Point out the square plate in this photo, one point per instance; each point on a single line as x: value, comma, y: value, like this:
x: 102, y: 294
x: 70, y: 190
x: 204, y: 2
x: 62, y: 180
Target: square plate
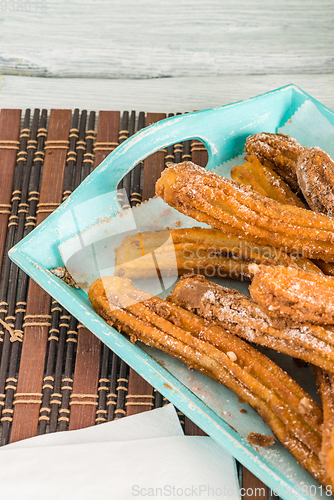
x: 213, y: 408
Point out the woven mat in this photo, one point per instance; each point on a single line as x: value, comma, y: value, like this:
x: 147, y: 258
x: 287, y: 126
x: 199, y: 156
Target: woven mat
x: 54, y: 373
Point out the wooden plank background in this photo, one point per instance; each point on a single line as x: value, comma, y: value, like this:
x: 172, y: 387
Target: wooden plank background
x: 166, y: 38
x: 154, y: 94
x: 162, y: 56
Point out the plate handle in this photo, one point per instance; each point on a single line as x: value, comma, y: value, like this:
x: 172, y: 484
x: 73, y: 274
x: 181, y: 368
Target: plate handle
x: 201, y: 125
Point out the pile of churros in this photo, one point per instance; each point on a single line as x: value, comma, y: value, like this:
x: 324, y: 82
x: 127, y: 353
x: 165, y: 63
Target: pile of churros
x: 260, y: 231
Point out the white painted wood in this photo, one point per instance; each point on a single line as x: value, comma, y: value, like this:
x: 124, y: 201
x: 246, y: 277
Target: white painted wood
x: 116, y: 54
x: 158, y: 38
x: 156, y: 95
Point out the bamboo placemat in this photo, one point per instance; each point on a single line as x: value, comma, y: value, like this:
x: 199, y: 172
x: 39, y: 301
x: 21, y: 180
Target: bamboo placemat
x: 55, y: 374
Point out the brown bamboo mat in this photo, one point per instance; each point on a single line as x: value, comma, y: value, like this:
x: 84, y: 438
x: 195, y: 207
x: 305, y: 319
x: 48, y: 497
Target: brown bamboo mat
x: 54, y: 373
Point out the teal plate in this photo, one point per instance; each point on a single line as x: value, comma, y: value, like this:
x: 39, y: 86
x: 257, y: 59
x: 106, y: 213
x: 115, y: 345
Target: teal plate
x: 212, y: 407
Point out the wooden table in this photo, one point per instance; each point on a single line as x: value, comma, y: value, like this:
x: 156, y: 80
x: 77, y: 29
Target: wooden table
x: 153, y: 57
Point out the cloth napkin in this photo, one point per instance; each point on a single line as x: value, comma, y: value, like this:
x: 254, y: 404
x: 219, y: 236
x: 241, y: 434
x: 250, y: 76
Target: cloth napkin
x: 144, y: 455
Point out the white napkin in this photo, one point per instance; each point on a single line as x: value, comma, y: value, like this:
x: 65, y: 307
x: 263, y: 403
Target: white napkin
x: 310, y: 128
x: 144, y: 455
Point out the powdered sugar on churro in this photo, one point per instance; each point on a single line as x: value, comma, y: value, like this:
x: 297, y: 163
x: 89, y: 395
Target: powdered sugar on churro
x: 241, y: 316
x: 239, y: 210
x: 298, y: 295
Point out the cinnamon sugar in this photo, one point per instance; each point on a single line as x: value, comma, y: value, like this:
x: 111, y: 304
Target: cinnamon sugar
x: 262, y: 440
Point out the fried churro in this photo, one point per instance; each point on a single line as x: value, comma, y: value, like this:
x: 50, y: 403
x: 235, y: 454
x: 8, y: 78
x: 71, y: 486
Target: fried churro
x: 293, y: 416
x: 242, y: 316
x: 226, y: 205
x: 192, y: 251
x: 325, y: 384
x: 315, y: 174
x: 268, y: 183
x: 294, y: 293
x: 279, y: 152
x: 265, y: 180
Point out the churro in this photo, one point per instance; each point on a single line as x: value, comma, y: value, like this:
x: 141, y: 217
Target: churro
x: 242, y: 316
x: 279, y: 152
x: 233, y: 208
x: 192, y: 251
x: 265, y: 180
x: 325, y: 384
x: 294, y: 293
x: 315, y: 174
x: 293, y: 416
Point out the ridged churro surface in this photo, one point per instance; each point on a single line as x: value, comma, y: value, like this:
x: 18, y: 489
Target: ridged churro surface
x: 293, y: 416
x: 296, y: 294
x: 193, y: 250
x: 243, y: 317
x: 268, y: 183
x: 264, y: 180
x: 233, y: 208
x: 279, y: 152
x: 325, y: 384
x: 315, y: 174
